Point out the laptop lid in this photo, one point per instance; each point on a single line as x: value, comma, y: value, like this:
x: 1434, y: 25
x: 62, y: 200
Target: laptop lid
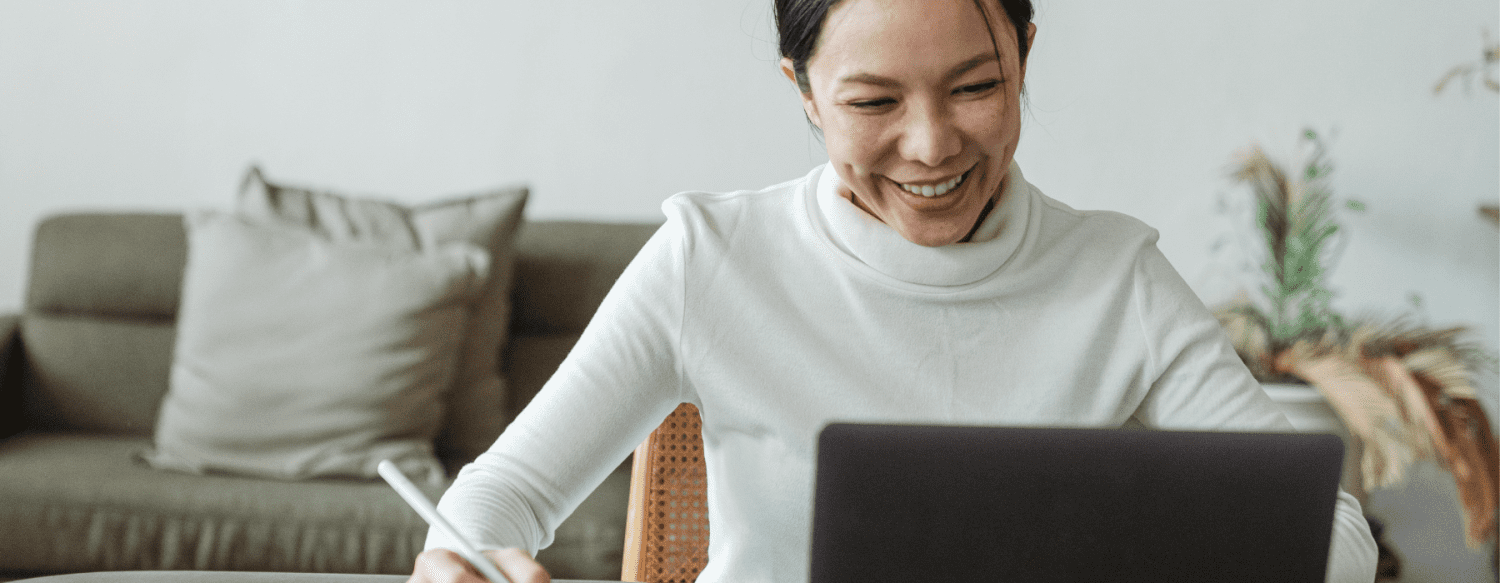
x: 966, y: 504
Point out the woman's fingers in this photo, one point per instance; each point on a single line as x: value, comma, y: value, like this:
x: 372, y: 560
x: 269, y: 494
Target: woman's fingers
x: 518, y: 566
x: 445, y: 566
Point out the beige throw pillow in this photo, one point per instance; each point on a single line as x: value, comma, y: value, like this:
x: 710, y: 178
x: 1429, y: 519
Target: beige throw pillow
x: 476, y: 405
x: 298, y: 357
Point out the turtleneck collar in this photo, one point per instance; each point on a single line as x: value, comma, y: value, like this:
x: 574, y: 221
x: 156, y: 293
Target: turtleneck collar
x: 872, y: 245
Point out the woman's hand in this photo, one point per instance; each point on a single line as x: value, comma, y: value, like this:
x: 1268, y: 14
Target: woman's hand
x: 445, y: 566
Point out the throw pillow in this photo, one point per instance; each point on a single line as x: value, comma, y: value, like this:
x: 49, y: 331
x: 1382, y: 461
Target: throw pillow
x: 476, y: 405
x: 297, y: 357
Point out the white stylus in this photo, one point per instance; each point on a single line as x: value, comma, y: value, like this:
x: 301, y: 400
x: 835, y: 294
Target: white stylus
x: 419, y: 502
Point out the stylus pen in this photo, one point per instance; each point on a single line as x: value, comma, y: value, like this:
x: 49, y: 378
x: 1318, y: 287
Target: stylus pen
x: 424, y: 507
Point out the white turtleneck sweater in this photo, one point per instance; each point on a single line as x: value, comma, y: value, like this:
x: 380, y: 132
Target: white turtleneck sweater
x: 777, y: 311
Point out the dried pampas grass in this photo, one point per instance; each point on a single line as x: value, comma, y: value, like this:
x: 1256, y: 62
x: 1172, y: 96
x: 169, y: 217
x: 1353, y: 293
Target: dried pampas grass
x: 1404, y: 391
x: 1406, y: 394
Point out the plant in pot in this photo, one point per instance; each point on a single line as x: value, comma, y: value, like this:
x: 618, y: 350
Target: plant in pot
x: 1403, y: 390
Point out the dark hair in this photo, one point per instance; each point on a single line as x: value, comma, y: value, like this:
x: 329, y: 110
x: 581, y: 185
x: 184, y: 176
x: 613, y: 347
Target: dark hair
x: 799, y: 22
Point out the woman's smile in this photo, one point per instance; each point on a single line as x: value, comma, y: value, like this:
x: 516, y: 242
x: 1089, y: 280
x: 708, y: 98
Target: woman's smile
x: 929, y: 196
x: 929, y: 190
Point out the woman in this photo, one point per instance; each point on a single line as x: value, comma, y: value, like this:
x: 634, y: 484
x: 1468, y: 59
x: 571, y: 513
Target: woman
x: 917, y: 278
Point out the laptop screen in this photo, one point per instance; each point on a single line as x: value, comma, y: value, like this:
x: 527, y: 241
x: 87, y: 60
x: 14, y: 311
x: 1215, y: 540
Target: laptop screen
x: 965, y: 504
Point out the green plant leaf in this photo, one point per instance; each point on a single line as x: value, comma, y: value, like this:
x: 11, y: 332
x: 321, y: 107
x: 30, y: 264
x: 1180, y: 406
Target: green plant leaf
x: 1297, y: 223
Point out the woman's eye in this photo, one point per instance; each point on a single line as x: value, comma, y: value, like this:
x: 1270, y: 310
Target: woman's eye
x: 978, y: 87
x: 872, y: 103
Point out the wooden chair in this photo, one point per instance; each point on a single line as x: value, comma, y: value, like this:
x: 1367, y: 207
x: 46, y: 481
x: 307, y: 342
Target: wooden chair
x: 666, y: 527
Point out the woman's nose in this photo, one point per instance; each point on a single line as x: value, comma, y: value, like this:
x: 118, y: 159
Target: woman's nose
x: 930, y: 136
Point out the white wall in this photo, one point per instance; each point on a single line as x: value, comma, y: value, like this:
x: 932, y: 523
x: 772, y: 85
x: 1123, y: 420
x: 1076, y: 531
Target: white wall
x: 608, y: 107
x: 1140, y: 106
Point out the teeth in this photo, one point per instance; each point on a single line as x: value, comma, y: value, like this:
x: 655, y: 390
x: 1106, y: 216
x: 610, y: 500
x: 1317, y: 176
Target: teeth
x: 938, y: 190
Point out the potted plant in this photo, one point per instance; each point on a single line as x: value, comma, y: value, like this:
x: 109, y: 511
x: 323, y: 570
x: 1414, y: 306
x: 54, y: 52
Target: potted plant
x: 1403, y: 390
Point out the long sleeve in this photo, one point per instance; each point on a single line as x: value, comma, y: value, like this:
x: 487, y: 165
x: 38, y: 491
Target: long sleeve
x: 619, y: 381
x: 1202, y: 384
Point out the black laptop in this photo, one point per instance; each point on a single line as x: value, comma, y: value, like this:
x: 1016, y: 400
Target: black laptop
x: 966, y: 504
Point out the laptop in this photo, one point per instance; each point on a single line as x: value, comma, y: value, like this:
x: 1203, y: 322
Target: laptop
x: 966, y: 504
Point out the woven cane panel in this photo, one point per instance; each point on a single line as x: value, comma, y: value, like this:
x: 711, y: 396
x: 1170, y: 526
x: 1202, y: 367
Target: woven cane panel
x: 675, y: 532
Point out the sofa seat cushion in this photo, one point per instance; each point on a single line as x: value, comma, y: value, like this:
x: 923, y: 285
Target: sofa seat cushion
x: 82, y: 502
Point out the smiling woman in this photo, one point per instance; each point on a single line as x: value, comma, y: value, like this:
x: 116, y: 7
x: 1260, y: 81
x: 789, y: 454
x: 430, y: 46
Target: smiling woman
x: 908, y: 121
x: 915, y: 278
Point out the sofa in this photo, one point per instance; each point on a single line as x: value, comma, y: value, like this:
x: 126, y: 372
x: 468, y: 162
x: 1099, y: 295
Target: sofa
x: 84, y: 368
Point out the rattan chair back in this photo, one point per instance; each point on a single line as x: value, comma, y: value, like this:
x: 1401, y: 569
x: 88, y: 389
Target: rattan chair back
x: 666, y: 532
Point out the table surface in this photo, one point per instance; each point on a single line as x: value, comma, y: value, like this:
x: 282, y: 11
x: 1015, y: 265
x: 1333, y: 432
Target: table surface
x: 226, y: 577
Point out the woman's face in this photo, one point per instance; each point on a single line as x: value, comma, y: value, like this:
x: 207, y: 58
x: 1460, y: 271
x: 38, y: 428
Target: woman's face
x: 919, y: 118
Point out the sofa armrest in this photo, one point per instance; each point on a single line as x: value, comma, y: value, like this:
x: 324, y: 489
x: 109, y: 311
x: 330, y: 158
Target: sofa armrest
x: 11, y: 355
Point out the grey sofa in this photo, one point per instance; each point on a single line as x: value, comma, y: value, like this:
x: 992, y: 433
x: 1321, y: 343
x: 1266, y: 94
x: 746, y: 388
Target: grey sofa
x: 84, y: 367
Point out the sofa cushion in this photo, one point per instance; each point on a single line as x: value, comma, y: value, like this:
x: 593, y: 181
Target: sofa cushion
x: 532, y: 358
x: 124, y: 265
x: 299, y: 357
x: 98, y: 321
x: 564, y: 269
x: 80, y: 502
x: 95, y: 373
x: 475, y: 410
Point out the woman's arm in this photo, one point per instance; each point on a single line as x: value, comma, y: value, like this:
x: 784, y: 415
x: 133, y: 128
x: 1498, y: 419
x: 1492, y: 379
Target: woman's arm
x: 616, y: 385
x: 1200, y: 383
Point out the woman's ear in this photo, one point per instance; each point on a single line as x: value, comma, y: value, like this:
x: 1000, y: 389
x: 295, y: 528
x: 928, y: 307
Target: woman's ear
x: 789, y: 70
x: 1030, y: 46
